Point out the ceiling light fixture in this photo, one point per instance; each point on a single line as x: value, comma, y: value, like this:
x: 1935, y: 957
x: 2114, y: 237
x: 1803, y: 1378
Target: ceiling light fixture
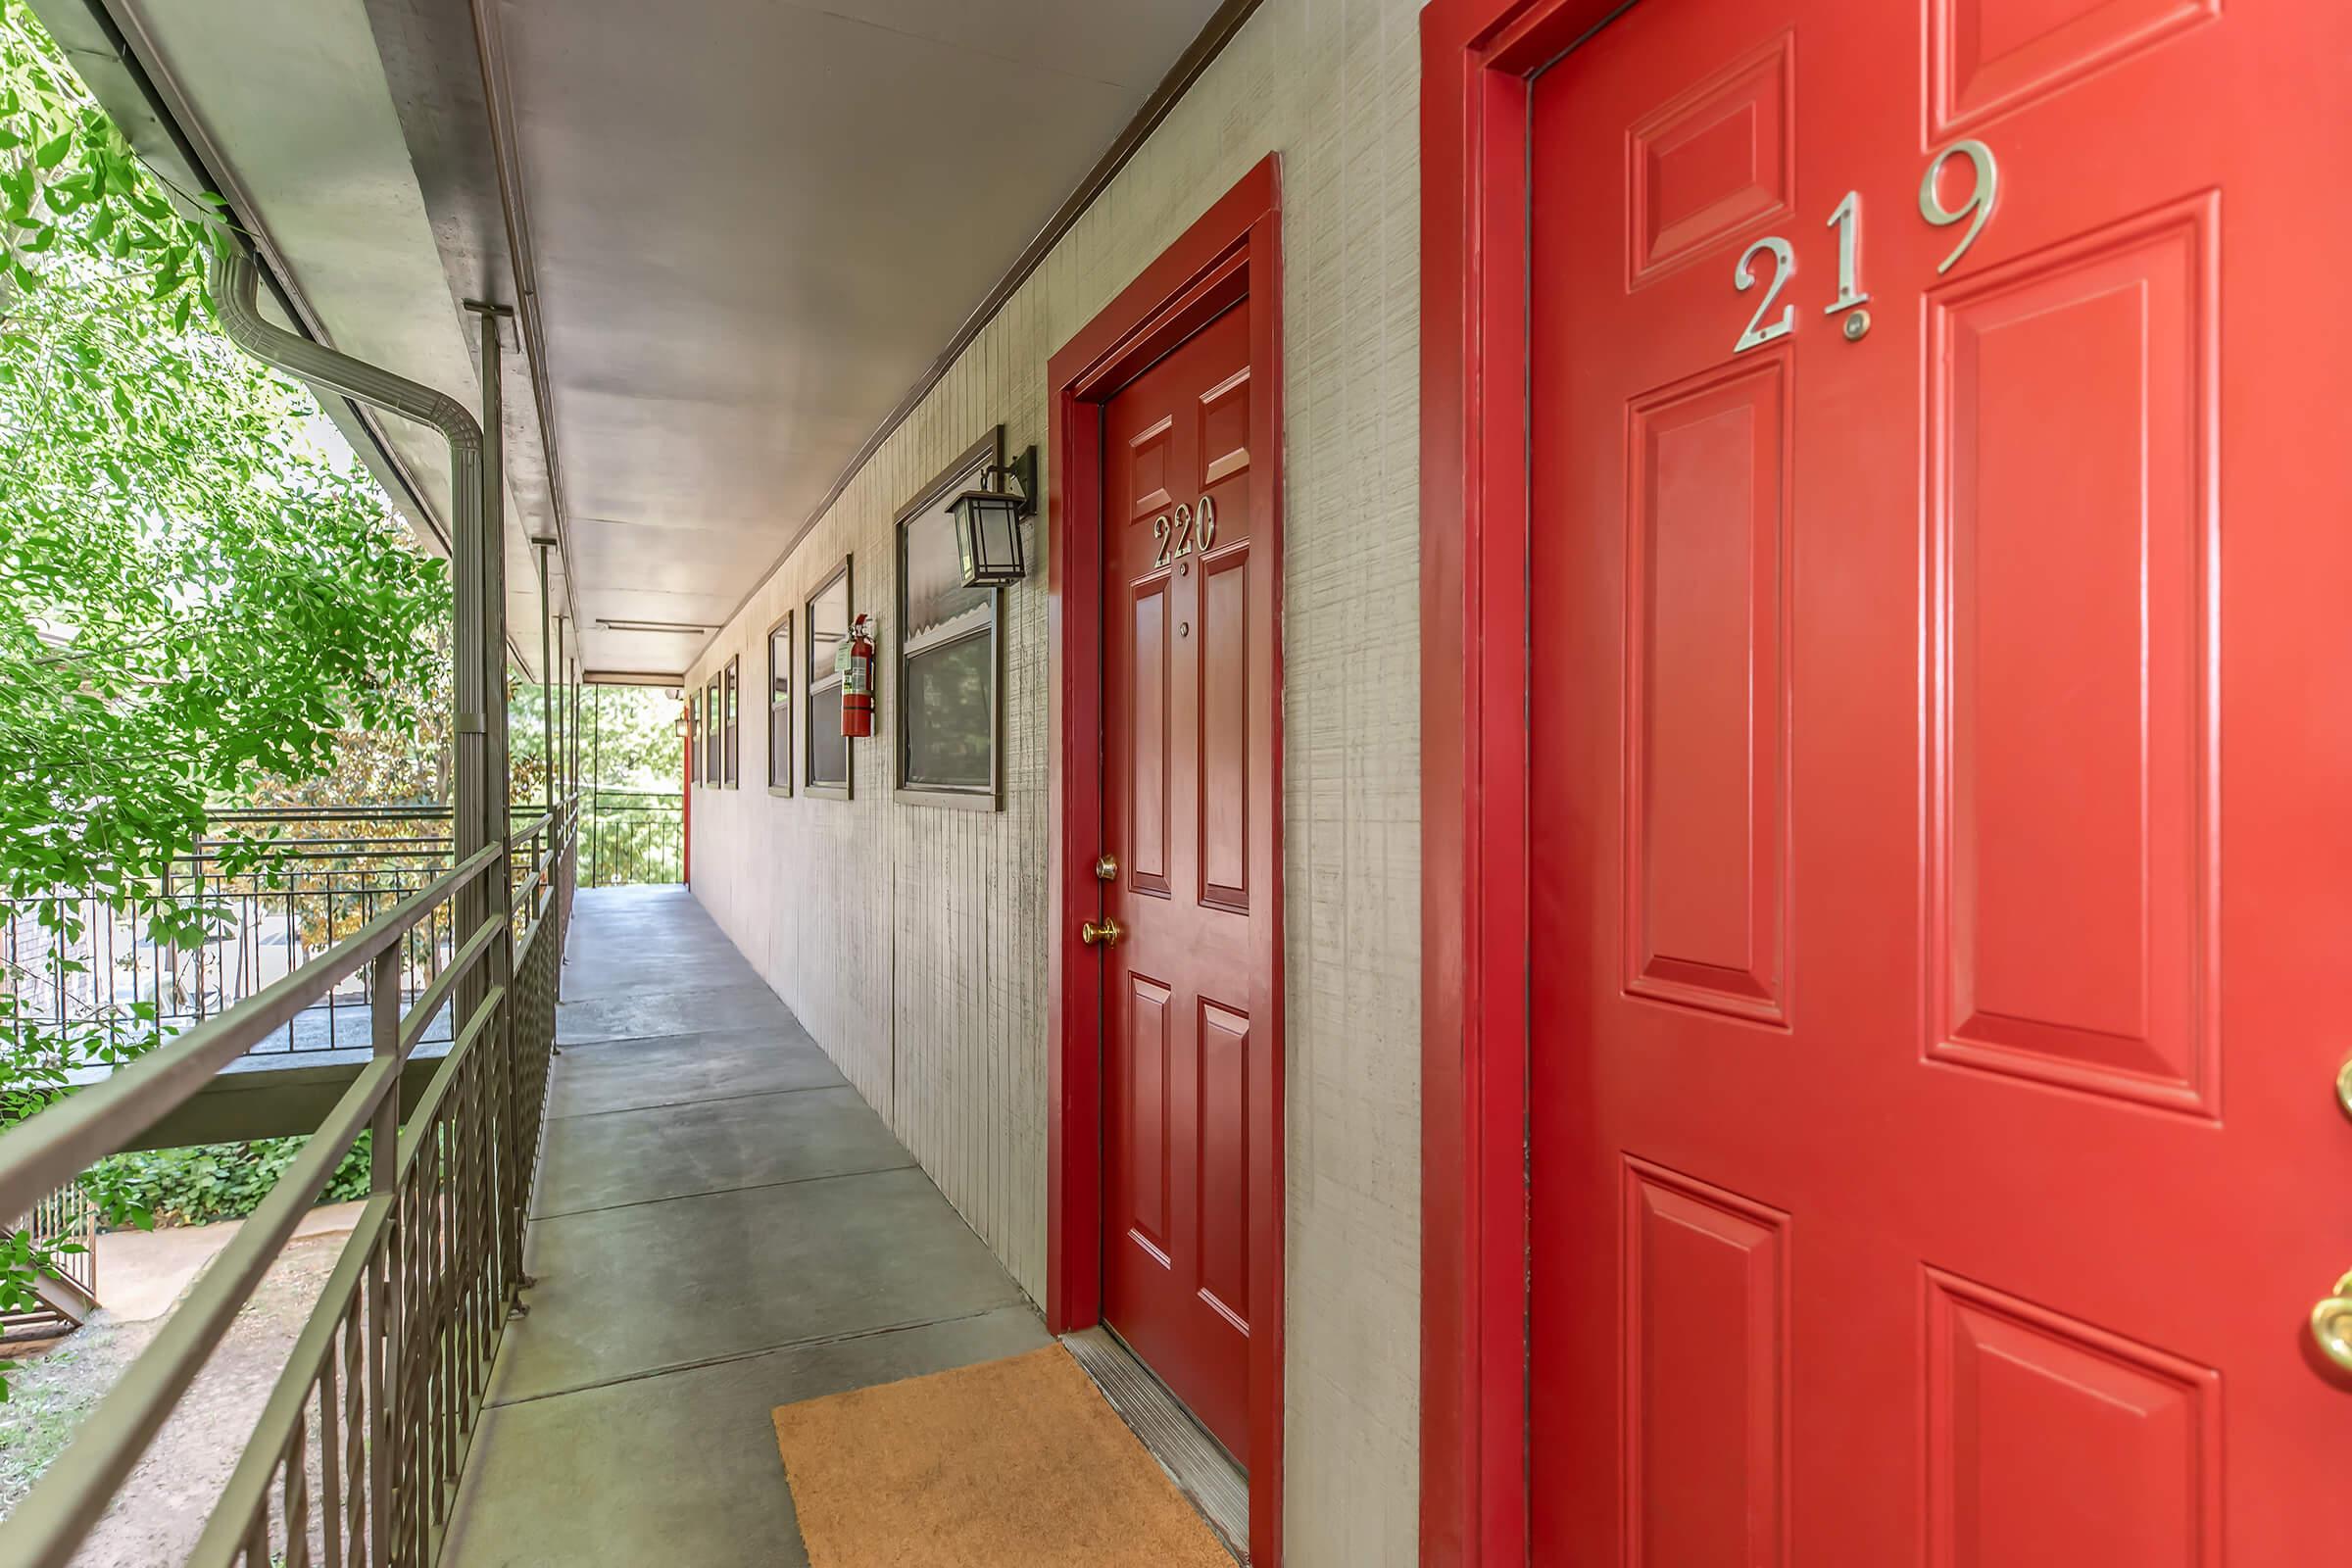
x: 653, y: 625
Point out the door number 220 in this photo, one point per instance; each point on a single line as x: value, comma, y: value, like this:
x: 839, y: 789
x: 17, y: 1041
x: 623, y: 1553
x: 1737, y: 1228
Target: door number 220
x: 1189, y: 530
x: 1846, y: 220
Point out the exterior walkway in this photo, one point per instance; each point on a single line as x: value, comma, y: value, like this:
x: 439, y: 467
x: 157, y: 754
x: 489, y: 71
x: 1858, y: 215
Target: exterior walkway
x: 722, y: 1226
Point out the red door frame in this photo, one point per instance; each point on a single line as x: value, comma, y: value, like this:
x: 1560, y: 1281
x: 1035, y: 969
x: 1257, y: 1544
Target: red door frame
x: 1231, y: 256
x: 1478, y: 58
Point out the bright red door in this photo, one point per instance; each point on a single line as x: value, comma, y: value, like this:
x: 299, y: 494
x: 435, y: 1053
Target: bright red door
x: 1939, y: 755
x: 1178, y: 788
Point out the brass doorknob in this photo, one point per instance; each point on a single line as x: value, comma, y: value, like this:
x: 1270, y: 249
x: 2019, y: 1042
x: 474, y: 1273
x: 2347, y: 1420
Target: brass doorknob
x: 1106, y: 933
x: 2332, y: 1324
x: 2343, y: 1086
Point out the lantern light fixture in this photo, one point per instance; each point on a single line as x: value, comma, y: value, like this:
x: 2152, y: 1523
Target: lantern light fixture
x: 988, y: 521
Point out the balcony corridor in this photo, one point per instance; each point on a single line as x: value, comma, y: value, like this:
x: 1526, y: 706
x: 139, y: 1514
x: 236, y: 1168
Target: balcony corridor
x: 722, y: 1226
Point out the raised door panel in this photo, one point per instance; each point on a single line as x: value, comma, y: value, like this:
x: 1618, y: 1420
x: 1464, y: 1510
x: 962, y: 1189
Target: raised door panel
x: 1705, y: 1363
x: 1147, y: 1101
x: 1150, y: 459
x: 1224, y: 411
x: 1988, y: 56
x: 1705, y: 788
x: 1224, y: 738
x: 2077, y: 754
x: 1711, y: 161
x: 2052, y: 1443
x: 1224, y: 1172
x: 1146, y: 729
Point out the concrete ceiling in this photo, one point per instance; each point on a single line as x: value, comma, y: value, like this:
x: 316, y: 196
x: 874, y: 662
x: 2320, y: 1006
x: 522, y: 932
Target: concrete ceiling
x: 736, y: 231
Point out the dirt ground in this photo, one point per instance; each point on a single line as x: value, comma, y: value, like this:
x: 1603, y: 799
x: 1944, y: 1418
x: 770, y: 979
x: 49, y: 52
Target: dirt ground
x: 163, y: 1507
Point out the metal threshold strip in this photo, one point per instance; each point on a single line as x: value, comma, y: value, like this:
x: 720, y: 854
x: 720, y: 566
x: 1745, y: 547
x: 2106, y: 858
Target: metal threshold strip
x: 1199, y: 1466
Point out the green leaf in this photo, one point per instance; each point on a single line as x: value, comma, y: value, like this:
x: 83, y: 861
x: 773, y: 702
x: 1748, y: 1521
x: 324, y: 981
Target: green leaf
x: 201, y: 606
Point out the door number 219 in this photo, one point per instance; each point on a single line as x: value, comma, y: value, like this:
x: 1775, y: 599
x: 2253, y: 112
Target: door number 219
x: 1846, y: 220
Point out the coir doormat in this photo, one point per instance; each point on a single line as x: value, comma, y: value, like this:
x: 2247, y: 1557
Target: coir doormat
x: 1018, y: 1461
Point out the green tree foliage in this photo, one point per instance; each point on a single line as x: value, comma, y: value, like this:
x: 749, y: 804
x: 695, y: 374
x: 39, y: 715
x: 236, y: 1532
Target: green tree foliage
x: 632, y: 762
x: 526, y: 743
x: 211, y: 1182
x: 410, y: 762
x: 369, y: 859
x: 628, y: 738
x: 199, y: 589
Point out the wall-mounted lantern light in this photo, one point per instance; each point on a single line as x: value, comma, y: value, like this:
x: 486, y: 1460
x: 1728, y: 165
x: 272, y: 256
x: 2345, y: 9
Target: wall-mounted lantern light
x: 988, y: 521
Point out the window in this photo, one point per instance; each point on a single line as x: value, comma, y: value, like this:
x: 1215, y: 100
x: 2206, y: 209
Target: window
x: 710, y: 734
x: 946, y: 685
x: 827, y: 617
x: 779, y: 706
x: 734, y: 756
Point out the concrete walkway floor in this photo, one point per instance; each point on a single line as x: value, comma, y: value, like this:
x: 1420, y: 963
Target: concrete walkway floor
x: 722, y: 1226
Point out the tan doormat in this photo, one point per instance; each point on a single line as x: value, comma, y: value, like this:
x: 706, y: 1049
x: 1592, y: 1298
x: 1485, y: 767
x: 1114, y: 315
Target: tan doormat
x: 1018, y: 1461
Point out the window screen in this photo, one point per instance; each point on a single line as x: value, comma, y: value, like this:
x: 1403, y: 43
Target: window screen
x: 947, y: 646
x: 712, y: 738
x: 733, y: 761
x: 779, y: 706
x: 827, y: 615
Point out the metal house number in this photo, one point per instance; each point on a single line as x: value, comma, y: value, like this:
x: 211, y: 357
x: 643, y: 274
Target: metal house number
x: 1187, y: 530
x: 1744, y: 278
x: 1846, y: 220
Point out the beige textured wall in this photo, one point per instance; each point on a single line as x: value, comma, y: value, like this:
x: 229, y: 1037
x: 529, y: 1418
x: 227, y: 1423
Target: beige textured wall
x: 910, y: 941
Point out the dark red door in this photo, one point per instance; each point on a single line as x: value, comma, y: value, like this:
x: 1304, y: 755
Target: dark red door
x: 1934, y: 1157
x: 1178, y: 788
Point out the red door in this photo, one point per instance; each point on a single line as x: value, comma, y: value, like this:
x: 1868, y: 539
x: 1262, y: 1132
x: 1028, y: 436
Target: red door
x: 1935, y: 1155
x: 1178, y: 788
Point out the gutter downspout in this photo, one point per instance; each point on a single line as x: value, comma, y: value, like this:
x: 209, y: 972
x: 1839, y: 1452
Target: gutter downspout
x: 479, y: 659
x: 547, y: 680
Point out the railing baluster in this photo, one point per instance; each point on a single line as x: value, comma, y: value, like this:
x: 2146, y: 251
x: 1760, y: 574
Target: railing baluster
x: 383, y: 1275
x: 330, y: 1457
x: 298, y: 1496
x: 415, y: 1387
x: 359, y: 1331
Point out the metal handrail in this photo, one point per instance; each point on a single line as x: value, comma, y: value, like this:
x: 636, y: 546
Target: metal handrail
x: 79, y: 1487
x: 396, y: 1355
x: 531, y: 829
x: 425, y: 810
x: 66, y: 1139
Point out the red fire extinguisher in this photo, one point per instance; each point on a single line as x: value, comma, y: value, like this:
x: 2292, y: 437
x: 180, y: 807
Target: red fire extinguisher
x: 856, y: 662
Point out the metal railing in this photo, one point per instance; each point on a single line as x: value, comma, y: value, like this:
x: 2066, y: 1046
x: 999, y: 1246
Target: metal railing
x: 355, y: 1457
x: 62, y: 1225
x: 633, y: 836
x: 330, y: 871
x: 84, y: 962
